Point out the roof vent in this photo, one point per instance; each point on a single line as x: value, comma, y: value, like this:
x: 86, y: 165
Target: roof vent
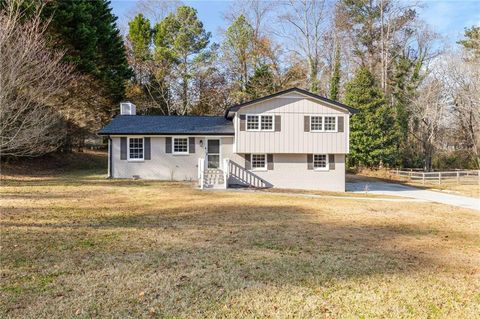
x: 128, y: 108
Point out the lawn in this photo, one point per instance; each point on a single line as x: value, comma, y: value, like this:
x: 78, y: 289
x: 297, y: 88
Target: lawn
x: 78, y: 245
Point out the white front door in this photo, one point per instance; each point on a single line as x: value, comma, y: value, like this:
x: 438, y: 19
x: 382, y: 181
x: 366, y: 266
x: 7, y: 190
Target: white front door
x: 213, y: 153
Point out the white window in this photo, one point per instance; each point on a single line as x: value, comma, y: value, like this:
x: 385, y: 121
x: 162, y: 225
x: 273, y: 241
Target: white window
x: 180, y: 145
x: 267, y: 123
x: 316, y: 124
x: 330, y: 123
x: 259, y: 122
x: 320, y: 162
x: 259, y: 161
x: 252, y: 123
x: 135, y: 149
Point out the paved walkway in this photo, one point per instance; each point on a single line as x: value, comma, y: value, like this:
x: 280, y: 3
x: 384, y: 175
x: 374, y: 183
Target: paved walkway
x: 385, y: 188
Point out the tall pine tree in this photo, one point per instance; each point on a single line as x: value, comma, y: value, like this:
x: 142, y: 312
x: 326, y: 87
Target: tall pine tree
x: 335, y: 79
x: 87, y: 30
x: 373, y: 133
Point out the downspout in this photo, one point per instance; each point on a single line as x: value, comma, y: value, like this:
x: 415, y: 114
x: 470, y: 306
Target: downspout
x: 110, y: 162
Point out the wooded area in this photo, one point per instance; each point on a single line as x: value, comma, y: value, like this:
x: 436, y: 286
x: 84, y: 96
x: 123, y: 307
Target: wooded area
x: 65, y: 66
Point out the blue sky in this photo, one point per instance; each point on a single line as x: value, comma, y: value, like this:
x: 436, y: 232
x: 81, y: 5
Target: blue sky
x: 448, y: 18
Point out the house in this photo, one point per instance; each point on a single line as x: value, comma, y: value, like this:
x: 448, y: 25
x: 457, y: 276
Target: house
x: 290, y: 139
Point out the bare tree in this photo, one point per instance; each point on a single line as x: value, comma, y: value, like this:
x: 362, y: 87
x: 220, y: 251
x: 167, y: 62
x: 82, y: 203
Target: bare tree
x: 428, y: 113
x: 462, y: 79
x: 31, y: 76
x: 304, y: 26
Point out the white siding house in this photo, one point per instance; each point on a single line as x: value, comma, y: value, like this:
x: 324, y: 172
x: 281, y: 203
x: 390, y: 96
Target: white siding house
x: 291, y: 139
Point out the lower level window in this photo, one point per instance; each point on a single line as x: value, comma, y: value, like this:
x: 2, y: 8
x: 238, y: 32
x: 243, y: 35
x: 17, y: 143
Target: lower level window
x: 135, y: 148
x: 180, y: 145
x: 320, y: 161
x: 259, y: 161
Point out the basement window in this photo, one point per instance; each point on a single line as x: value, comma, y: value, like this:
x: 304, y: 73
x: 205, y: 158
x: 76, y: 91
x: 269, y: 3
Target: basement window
x: 259, y: 162
x: 320, y: 162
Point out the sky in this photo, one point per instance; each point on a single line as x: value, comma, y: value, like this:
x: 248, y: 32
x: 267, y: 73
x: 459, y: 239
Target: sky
x: 446, y: 17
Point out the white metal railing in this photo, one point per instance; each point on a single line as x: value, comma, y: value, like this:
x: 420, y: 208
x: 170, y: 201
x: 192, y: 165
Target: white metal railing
x: 226, y: 172
x: 201, y: 172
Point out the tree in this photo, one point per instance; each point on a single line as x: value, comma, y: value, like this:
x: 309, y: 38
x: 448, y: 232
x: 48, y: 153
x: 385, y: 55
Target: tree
x: 140, y: 36
x: 472, y: 41
x: 182, y: 38
x: 238, y: 50
x: 373, y: 137
x: 261, y: 83
x: 87, y: 30
x: 428, y: 110
x: 305, y: 29
x: 32, y: 76
x: 335, y: 79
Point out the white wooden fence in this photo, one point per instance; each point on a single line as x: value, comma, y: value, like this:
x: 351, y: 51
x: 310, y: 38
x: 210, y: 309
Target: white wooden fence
x: 460, y: 177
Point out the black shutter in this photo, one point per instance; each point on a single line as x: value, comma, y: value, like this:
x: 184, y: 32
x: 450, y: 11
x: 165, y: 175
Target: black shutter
x: 331, y: 161
x: 123, y: 148
x: 147, y: 155
x: 310, y: 161
x: 278, y: 123
x: 168, y: 145
x: 248, y: 164
x: 270, y: 162
x: 306, y: 123
x: 242, y: 122
x: 341, y: 124
x: 191, y: 144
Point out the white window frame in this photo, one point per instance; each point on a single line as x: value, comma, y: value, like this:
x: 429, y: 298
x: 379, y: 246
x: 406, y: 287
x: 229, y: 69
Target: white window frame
x: 173, y: 146
x: 323, y: 130
x: 327, y: 163
x: 321, y: 120
x: 143, y: 150
x: 259, y: 119
x: 336, y: 123
x: 261, y: 169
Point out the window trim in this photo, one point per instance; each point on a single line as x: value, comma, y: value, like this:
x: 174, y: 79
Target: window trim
x: 310, y: 120
x: 323, y: 130
x: 321, y: 169
x: 173, y: 145
x: 259, y: 117
x: 143, y: 150
x: 336, y: 124
x: 259, y: 169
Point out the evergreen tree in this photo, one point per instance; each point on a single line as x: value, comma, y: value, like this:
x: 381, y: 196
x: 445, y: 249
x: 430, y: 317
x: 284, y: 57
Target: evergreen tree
x: 180, y: 37
x: 374, y: 136
x: 261, y: 83
x: 335, y: 79
x: 472, y: 41
x: 238, y: 47
x: 87, y: 30
x: 140, y: 36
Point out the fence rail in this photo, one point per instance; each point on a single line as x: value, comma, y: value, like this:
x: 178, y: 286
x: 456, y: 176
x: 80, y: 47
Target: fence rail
x: 465, y: 176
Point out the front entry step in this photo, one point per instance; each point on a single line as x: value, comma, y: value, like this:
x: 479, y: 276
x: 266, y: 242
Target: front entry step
x: 213, y: 178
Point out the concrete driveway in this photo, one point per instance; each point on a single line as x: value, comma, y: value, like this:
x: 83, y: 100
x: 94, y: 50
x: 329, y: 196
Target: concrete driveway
x: 385, y: 188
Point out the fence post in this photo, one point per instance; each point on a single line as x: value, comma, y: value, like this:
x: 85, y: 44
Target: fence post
x: 410, y: 175
x: 439, y: 177
x: 458, y: 177
x: 423, y: 178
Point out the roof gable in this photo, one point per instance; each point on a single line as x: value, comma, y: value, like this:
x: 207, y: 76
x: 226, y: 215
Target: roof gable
x: 294, y: 93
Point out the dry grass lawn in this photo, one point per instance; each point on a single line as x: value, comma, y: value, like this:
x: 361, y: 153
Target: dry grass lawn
x: 81, y: 246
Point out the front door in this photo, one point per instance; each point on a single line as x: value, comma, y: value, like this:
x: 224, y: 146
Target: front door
x: 213, y: 153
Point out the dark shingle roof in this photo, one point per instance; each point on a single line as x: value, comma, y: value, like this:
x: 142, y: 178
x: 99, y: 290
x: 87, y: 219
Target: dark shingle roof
x: 166, y: 125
